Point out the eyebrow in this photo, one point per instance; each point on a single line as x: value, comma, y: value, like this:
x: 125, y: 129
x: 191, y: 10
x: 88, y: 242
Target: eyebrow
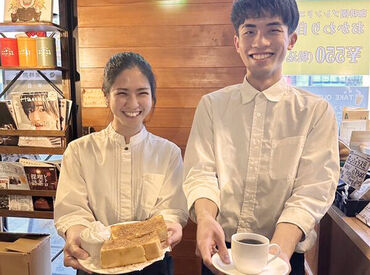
x: 139, y: 89
x: 269, y: 24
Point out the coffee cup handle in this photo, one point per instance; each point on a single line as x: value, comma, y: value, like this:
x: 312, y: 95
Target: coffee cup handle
x: 277, y: 254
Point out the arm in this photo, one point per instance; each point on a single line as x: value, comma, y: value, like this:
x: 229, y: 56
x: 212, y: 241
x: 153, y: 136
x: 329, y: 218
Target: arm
x: 71, y: 203
x: 315, y: 183
x: 209, y: 233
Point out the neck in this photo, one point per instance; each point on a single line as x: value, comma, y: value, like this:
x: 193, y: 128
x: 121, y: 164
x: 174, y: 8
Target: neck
x: 262, y: 83
x: 126, y: 131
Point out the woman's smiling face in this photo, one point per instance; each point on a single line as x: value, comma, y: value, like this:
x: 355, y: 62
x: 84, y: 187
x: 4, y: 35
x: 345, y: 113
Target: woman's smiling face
x: 130, y: 100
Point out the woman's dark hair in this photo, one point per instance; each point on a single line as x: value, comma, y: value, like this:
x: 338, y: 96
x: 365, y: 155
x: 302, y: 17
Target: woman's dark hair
x: 287, y: 10
x: 28, y: 101
x: 123, y: 61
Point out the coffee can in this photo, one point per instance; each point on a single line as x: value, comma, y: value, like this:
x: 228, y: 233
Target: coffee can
x: 46, y: 55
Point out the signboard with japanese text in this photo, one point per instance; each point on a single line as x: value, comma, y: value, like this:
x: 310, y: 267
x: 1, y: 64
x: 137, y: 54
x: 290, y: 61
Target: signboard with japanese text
x: 333, y: 38
x: 355, y: 169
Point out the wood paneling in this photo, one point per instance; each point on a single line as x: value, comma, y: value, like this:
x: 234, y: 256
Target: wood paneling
x: 157, y: 36
x: 89, y: 3
x: 162, y: 117
x: 148, y: 13
x: 174, y: 57
x: 177, y: 78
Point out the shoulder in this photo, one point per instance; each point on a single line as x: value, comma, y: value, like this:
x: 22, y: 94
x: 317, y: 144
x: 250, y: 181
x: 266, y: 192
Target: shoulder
x: 93, y: 139
x: 223, y: 93
x: 310, y: 101
x: 162, y: 143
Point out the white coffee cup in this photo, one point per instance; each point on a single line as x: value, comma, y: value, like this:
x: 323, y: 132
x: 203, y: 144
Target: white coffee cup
x: 250, y: 252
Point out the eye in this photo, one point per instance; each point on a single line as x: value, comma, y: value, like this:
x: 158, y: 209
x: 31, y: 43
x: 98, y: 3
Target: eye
x: 275, y: 30
x: 248, y: 32
x: 143, y: 93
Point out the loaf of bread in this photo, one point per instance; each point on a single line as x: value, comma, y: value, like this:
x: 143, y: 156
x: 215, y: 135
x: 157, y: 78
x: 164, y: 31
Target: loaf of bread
x: 134, y: 243
x: 138, y: 229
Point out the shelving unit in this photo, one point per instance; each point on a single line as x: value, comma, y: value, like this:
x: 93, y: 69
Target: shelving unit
x: 65, y: 29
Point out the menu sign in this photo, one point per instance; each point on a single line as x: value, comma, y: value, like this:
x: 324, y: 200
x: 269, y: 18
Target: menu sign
x: 333, y: 38
x: 355, y: 168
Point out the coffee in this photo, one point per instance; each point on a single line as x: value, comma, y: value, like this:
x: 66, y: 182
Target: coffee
x: 250, y: 241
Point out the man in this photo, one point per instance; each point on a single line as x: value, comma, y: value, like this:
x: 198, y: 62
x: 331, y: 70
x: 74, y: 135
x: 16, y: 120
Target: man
x: 262, y: 156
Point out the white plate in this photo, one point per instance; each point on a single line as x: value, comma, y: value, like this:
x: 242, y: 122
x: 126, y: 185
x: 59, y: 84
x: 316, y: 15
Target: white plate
x: 276, y: 267
x: 95, y: 266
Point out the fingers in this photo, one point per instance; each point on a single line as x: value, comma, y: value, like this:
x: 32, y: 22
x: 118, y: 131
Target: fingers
x: 71, y: 261
x: 77, y: 252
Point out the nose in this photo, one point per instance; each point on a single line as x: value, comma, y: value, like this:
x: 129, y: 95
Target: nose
x: 132, y: 101
x: 260, y: 40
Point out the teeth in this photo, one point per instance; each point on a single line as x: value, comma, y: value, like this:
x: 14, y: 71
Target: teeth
x: 261, y: 56
x: 132, y: 114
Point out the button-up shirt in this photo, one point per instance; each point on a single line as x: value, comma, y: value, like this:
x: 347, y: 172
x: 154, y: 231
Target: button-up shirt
x: 103, y: 178
x: 263, y: 158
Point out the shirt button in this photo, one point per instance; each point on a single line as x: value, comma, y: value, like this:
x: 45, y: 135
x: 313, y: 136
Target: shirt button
x: 258, y: 114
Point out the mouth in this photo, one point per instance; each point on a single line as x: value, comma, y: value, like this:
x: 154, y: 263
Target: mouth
x: 260, y: 56
x: 132, y: 114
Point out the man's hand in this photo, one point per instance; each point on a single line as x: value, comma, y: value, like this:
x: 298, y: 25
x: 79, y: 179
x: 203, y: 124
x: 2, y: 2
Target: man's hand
x: 73, y: 250
x: 210, y: 235
x: 287, y: 236
x: 174, y: 231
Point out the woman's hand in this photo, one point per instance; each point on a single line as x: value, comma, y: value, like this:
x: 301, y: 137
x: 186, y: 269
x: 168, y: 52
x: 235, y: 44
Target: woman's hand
x: 174, y: 231
x: 73, y: 250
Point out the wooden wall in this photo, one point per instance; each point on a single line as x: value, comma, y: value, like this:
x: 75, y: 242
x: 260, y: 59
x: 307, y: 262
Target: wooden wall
x: 189, y: 43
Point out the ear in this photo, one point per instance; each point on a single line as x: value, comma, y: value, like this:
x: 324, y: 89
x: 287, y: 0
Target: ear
x: 236, y: 43
x: 292, y: 40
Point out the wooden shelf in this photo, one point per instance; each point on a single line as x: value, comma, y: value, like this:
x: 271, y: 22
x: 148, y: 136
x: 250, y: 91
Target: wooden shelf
x: 30, y: 26
x: 31, y: 150
x: 33, y: 133
x: 40, y: 193
x: 27, y: 214
x: 55, y: 68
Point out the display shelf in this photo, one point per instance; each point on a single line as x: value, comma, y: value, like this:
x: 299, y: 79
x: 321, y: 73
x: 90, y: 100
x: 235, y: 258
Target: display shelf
x: 30, y: 26
x: 40, y: 193
x: 27, y: 214
x: 31, y: 150
x: 33, y: 133
x: 55, y: 68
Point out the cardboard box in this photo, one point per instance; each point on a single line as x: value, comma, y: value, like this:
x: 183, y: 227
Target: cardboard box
x: 24, y: 254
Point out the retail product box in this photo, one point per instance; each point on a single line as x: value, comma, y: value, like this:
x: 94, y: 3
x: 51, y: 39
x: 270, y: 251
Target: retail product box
x: 355, y: 114
x: 350, y: 207
x: 24, y: 254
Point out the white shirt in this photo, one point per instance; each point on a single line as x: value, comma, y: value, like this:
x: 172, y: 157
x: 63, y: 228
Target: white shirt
x: 263, y: 158
x: 103, y: 178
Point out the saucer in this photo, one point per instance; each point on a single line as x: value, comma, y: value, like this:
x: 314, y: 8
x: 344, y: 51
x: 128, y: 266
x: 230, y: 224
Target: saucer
x: 276, y: 267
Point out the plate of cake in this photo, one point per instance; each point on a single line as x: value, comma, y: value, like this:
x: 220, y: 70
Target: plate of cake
x: 124, y: 247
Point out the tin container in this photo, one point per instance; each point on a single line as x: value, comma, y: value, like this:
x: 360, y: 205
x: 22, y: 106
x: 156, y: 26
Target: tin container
x: 46, y: 55
x: 27, y: 52
x: 9, y: 52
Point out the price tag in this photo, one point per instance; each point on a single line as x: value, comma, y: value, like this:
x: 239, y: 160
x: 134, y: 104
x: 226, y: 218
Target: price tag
x: 355, y: 168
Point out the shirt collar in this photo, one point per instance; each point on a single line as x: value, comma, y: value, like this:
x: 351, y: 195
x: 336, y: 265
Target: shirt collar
x: 273, y: 93
x: 135, y: 139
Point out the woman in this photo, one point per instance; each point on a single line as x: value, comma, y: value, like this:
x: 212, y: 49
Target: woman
x: 122, y: 173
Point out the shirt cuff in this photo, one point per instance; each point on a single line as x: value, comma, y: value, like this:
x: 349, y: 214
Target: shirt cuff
x: 202, y: 192
x: 63, y: 227
x: 299, y: 217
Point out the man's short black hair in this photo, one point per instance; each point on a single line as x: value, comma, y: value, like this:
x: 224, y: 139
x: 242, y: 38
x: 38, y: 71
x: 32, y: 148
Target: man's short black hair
x: 287, y: 10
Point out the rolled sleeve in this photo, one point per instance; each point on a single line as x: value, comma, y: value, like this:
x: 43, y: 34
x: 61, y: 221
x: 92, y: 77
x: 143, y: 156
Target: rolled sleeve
x: 199, y: 163
x: 318, y: 173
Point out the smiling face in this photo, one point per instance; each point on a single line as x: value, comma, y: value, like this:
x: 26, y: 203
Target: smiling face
x: 262, y: 45
x: 41, y: 118
x: 130, y: 100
